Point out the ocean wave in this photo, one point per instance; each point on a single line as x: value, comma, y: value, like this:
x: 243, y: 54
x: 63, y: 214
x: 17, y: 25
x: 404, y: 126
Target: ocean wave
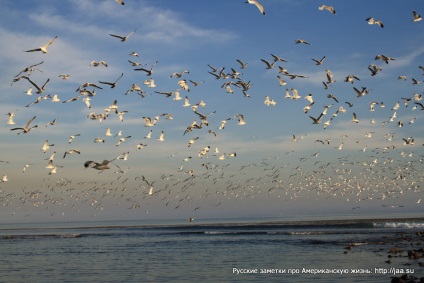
x: 405, y: 225
x: 307, y: 233
x: 40, y: 236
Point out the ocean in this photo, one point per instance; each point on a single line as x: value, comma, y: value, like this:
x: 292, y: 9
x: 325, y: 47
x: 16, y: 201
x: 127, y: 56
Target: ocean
x: 213, y: 250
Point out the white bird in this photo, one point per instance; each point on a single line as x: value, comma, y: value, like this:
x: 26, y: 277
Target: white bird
x: 161, y: 136
x: 55, y: 98
x: 319, y: 62
x: 46, y: 146
x: 123, y: 38
x: 186, y: 102
x: 257, y: 4
x: 10, y: 120
x: 269, y: 101
x: 328, y: 8
x: 44, y: 47
x: 72, y: 137
x: 416, y: 16
x: 122, y: 140
x: 240, y: 119
x: 149, y: 135
x: 372, y: 21
x: 149, y: 122
x: 26, y: 129
x: 71, y: 151
x: 355, y: 119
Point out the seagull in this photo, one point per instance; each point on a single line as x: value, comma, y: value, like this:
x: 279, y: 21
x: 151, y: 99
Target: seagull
x: 242, y: 64
x: 240, y: 119
x: 10, y: 120
x: 385, y: 58
x: 328, y: 8
x: 351, y: 79
x: 122, y: 140
x: 317, y: 120
x: 268, y: 65
x: 355, y: 119
x: 257, y: 4
x: 41, y: 89
x: 372, y: 21
x: 298, y: 41
x: 149, y: 122
x: 161, y: 136
x: 46, y: 146
x: 112, y: 85
x: 120, y: 2
x: 374, y: 69
x: 71, y: 138
x: 99, y: 166
x: 96, y: 64
x: 26, y: 129
x: 29, y: 69
x: 149, y: 135
x: 44, y: 47
x: 123, y: 38
x: 179, y: 75
x: 416, y: 16
x: 71, y: 151
x: 319, y: 62
x: 149, y: 72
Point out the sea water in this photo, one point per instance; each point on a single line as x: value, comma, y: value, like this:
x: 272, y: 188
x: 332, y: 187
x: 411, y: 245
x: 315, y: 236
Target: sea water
x: 226, y: 250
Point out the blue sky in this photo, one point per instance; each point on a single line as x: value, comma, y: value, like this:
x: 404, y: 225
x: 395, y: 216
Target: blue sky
x: 272, y: 174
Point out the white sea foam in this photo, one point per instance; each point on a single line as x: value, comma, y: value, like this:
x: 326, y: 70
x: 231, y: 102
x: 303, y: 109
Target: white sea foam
x: 398, y: 225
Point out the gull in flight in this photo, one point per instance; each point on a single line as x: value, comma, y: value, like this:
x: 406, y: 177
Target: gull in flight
x: 242, y: 64
x: 99, y: 166
x: 96, y: 64
x: 161, y: 136
x: 71, y: 138
x: 317, y: 120
x: 416, y: 16
x: 46, y: 146
x: 319, y: 62
x: 26, y: 129
x: 123, y: 38
x: 112, y: 85
x: 298, y: 41
x: 30, y: 69
x: 328, y: 8
x: 148, y: 72
x: 71, y: 151
x: 44, y: 47
x: 240, y: 119
x: 257, y: 4
x: 41, y: 89
x: 372, y: 21
x: 10, y: 120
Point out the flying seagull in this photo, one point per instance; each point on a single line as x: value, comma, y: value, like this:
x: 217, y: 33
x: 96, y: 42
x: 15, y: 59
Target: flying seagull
x: 44, y: 47
x: 26, y: 129
x: 99, y: 166
x: 112, y: 85
x: 328, y: 8
x: 123, y: 38
x: 257, y: 4
x: 149, y: 72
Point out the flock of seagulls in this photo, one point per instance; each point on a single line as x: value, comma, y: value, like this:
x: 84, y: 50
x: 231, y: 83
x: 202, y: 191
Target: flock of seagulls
x: 209, y: 170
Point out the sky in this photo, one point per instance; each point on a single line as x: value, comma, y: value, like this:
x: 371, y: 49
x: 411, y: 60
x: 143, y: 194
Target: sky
x: 278, y: 164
